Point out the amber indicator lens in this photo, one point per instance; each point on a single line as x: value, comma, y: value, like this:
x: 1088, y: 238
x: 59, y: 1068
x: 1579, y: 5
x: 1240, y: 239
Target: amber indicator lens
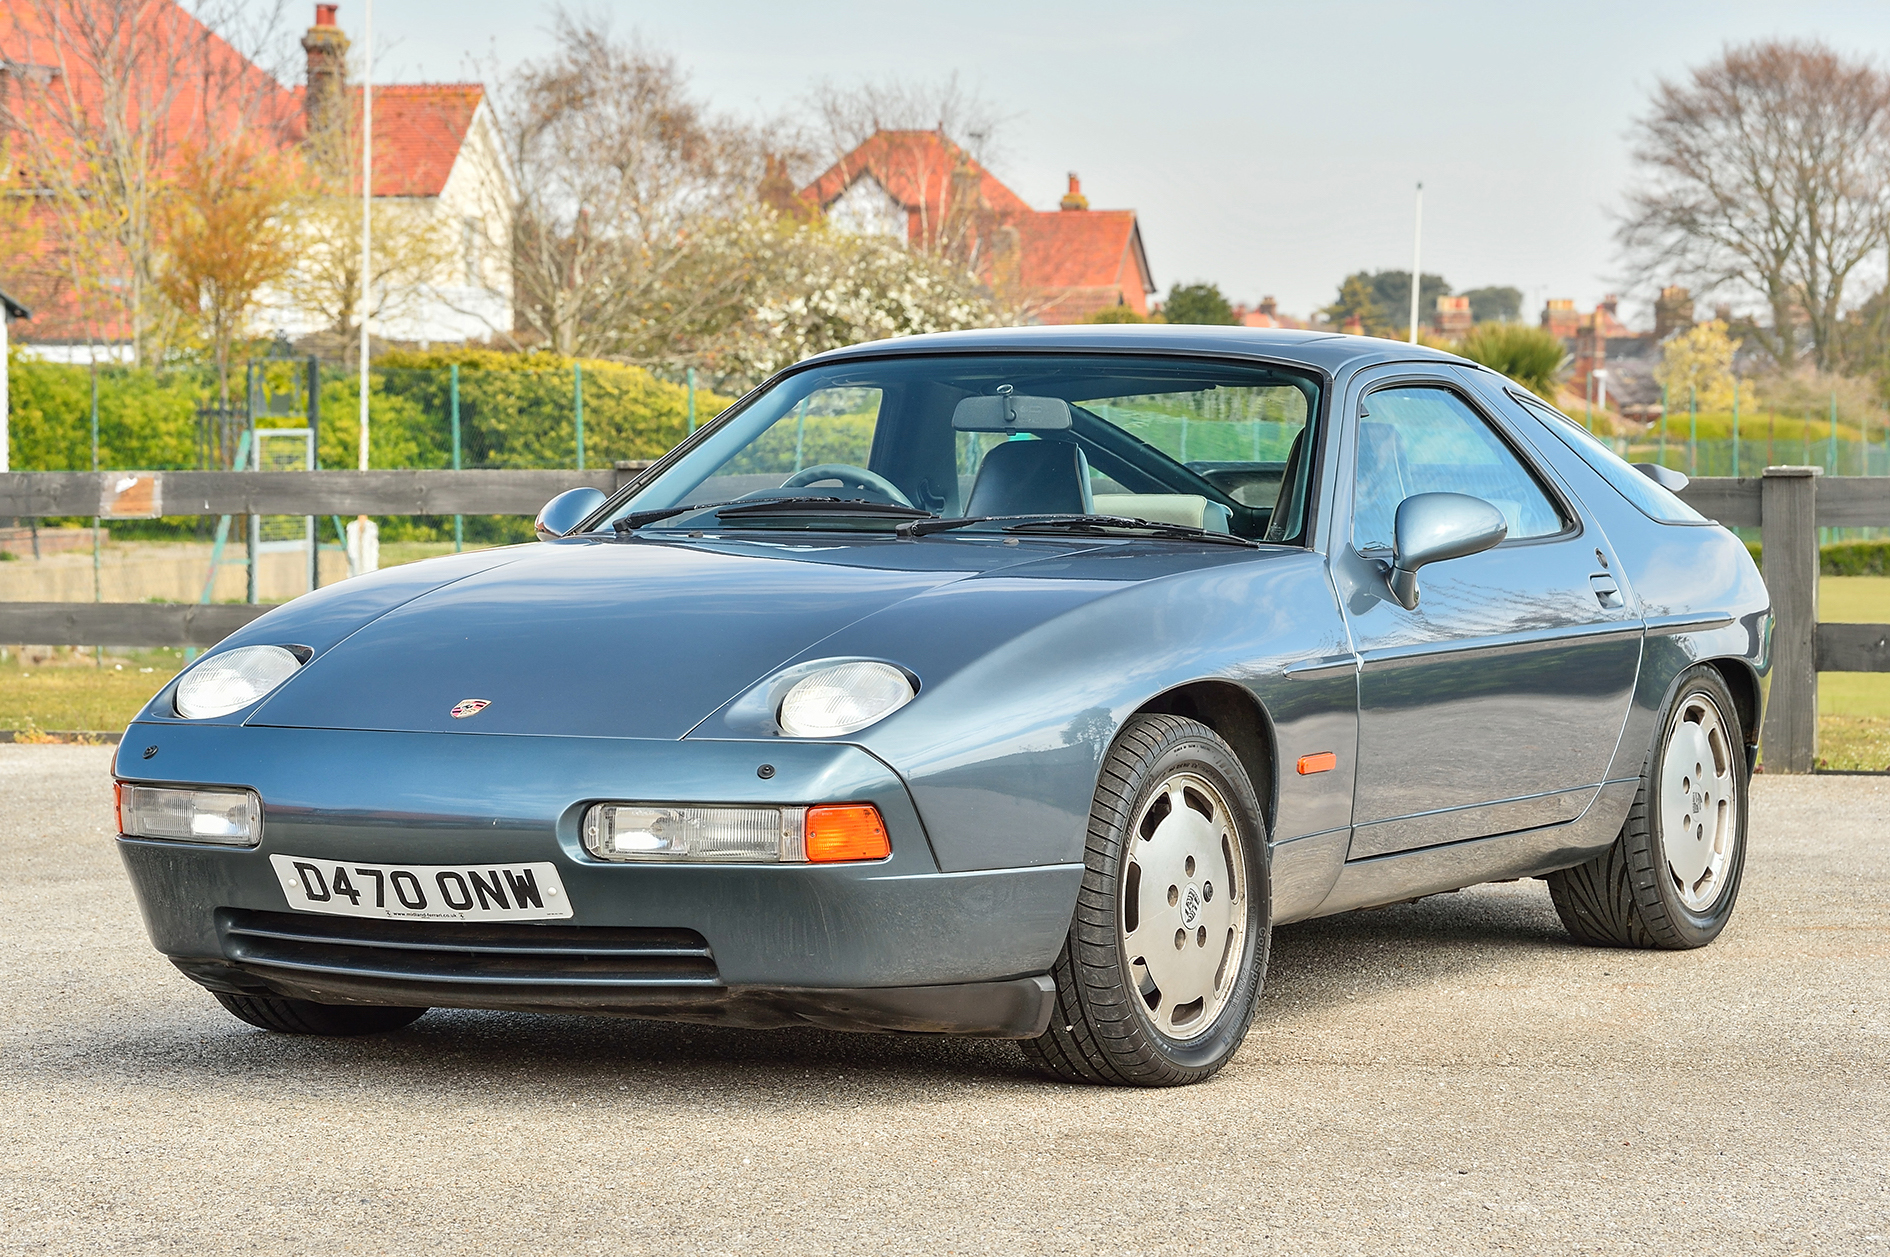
x: 851, y: 831
x: 1324, y: 762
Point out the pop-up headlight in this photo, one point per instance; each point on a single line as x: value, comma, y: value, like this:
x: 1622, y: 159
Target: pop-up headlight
x: 844, y: 698
x: 233, y: 680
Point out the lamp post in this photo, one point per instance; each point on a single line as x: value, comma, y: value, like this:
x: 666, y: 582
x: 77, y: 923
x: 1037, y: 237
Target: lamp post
x: 364, y: 552
x: 1417, y: 244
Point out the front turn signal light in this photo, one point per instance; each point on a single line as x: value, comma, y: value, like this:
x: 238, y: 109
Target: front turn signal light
x: 852, y: 831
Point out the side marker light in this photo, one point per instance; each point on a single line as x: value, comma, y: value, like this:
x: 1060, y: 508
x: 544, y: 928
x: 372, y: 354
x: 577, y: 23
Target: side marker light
x: 1323, y: 762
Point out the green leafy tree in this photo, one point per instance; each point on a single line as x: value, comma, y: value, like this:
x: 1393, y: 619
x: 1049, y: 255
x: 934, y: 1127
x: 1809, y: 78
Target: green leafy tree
x: 1495, y: 305
x: 1528, y: 355
x: 1356, y: 301
x: 1116, y: 314
x: 1197, y: 303
x: 1700, y: 359
x: 1392, y: 291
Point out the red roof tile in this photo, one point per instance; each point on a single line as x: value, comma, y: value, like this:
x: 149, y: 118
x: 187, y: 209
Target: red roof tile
x: 1070, y: 263
x: 915, y: 168
x: 419, y: 129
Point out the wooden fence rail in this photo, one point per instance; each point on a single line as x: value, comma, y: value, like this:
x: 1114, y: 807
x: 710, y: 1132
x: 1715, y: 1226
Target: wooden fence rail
x: 1787, y: 504
x: 36, y: 494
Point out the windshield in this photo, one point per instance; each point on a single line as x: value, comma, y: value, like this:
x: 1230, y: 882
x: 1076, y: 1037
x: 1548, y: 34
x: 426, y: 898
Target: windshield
x: 869, y: 445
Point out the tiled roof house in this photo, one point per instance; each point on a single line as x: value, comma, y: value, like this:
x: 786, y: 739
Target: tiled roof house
x: 1059, y: 266
x: 437, y: 152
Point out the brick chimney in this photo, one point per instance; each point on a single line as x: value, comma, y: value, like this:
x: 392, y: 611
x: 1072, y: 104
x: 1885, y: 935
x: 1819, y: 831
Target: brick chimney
x: 1269, y: 307
x: 1673, y: 311
x: 324, y: 103
x: 1074, y: 198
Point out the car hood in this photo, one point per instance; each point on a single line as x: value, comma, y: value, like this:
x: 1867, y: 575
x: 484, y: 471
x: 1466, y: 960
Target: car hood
x: 640, y: 638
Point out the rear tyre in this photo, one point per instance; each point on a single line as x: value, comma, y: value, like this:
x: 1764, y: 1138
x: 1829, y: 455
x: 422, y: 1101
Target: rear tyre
x: 1672, y: 876
x: 1159, y: 978
x: 301, y: 1016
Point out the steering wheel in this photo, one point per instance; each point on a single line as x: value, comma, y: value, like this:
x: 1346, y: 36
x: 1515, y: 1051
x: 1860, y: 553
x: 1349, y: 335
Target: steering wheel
x: 850, y: 477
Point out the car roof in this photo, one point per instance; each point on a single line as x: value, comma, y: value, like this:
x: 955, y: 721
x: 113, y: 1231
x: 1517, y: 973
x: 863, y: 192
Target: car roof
x: 1325, y: 351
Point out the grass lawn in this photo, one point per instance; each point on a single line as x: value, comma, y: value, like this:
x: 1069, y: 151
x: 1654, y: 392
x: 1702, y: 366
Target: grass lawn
x: 69, y: 691
x: 1854, y: 707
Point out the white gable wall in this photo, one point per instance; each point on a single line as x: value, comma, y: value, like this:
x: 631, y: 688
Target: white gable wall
x: 867, y: 209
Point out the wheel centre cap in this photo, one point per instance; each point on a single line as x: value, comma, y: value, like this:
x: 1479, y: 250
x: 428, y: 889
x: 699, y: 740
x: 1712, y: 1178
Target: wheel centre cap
x: 1699, y: 803
x: 1190, y: 907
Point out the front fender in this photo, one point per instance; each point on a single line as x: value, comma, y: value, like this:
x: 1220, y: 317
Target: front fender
x: 1002, y: 757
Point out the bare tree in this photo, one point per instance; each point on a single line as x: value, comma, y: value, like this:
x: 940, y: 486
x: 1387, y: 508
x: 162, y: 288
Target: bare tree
x: 1766, y: 171
x: 101, y: 94
x: 844, y: 118
x: 637, y: 208
x: 934, y: 137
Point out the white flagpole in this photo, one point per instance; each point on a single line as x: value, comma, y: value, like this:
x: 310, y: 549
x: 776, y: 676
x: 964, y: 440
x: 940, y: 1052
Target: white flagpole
x: 1417, y: 243
x: 367, y: 211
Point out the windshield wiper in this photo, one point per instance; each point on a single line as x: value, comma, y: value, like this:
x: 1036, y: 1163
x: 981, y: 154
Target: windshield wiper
x: 762, y: 507
x: 1093, y: 525
x: 753, y: 508
x: 637, y: 519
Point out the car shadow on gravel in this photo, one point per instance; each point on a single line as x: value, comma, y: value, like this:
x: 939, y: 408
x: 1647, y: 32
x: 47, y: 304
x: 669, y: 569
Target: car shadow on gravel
x: 1317, y: 966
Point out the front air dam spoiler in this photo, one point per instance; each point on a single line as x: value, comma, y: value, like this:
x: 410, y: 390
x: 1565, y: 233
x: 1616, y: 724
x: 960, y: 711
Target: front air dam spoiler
x: 1016, y: 1008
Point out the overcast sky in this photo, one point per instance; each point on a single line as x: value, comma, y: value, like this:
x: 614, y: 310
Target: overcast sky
x: 1268, y: 147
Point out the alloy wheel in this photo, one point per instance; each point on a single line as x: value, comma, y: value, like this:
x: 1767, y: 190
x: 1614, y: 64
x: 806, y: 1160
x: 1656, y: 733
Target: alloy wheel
x: 1698, y: 802
x: 1184, y: 905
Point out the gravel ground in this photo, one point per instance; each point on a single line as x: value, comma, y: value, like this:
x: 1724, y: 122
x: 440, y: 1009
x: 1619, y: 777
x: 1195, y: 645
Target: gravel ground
x: 1449, y: 1076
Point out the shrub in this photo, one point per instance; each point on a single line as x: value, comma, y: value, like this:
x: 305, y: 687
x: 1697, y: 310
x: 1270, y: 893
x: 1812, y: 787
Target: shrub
x: 1528, y: 355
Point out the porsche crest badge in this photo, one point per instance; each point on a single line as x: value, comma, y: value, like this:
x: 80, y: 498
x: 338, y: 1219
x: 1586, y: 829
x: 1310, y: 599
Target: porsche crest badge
x: 470, y: 707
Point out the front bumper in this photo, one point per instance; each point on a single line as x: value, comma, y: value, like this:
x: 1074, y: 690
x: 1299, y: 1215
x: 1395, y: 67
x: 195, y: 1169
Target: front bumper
x: 890, y: 944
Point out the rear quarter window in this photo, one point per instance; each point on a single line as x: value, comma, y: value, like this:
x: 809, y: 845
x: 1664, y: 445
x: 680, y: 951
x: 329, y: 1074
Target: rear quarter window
x: 1649, y: 498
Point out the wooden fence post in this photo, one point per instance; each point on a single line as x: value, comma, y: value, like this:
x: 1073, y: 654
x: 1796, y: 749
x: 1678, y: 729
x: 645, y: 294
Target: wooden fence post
x: 1789, y: 529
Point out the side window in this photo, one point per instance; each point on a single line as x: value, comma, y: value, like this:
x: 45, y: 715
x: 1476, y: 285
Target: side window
x: 1416, y: 439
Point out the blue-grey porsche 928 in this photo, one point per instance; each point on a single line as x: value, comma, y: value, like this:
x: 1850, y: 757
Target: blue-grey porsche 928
x: 1011, y: 683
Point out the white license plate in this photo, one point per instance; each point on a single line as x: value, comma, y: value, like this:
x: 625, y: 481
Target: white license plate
x: 422, y: 892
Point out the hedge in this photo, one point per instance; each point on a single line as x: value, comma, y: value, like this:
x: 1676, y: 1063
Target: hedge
x: 1844, y: 558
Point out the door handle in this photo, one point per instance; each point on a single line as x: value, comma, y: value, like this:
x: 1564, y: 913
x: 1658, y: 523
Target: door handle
x: 1607, y: 592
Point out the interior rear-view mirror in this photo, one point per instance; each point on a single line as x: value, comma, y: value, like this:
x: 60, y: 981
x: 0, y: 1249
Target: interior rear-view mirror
x: 1011, y: 412
x: 1431, y: 527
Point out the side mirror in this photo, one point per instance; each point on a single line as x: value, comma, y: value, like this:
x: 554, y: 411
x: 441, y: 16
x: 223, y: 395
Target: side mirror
x: 566, y: 511
x: 1666, y: 477
x: 1432, y: 527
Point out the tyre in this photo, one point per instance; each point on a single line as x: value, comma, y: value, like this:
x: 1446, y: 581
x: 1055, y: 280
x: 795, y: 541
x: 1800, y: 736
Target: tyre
x: 1672, y: 876
x: 1159, y: 978
x: 301, y: 1016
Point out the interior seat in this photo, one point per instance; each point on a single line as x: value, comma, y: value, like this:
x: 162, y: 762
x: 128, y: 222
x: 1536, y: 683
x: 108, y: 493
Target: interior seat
x: 1189, y: 509
x: 1034, y: 477
x: 1290, y: 503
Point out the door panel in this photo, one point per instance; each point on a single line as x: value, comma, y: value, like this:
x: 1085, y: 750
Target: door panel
x: 1495, y: 705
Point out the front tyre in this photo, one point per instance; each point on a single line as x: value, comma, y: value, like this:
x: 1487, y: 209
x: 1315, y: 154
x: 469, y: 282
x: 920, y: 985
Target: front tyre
x: 1672, y: 876
x: 1159, y: 978
x: 301, y: 1016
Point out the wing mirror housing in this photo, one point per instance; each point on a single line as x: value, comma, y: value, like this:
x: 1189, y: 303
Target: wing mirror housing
x: 566, y: 511
x: 1666, y: 477
x: 1432, y: 527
